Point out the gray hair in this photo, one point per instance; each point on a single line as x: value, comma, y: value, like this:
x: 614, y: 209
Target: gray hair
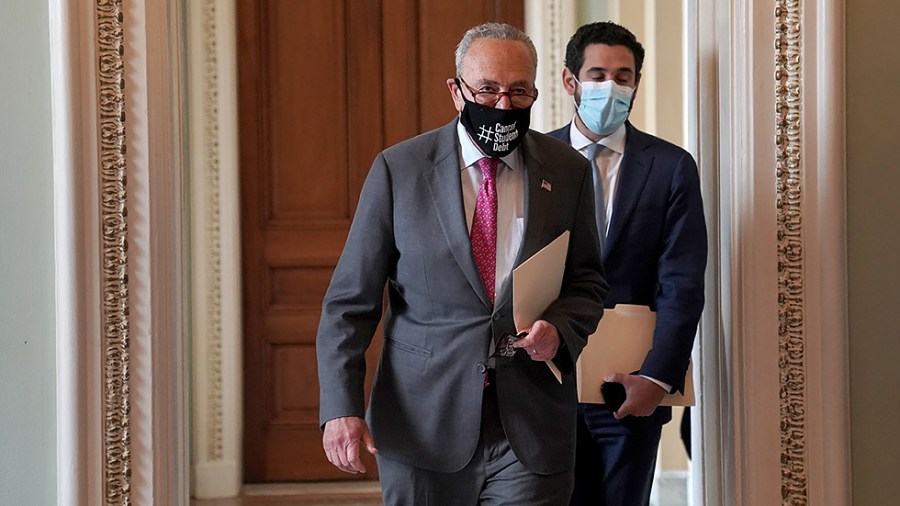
x: 501, y: 31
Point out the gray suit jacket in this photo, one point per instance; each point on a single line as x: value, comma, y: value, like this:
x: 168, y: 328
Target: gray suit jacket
x: 409, y: 234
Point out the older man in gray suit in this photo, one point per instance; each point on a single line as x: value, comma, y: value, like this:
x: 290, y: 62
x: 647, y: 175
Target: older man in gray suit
x: 442, y: 220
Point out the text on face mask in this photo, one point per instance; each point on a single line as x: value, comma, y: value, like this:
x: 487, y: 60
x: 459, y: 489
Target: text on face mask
x: 503, y: 134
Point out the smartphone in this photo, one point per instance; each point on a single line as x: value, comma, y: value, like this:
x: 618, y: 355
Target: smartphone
x: 613, y: 395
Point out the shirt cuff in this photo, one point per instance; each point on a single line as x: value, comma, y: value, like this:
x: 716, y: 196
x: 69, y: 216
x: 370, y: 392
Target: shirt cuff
x: 665, y: 386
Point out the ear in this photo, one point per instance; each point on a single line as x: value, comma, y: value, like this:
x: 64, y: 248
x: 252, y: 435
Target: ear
x: 455, y: 94
x: 568, y: 80
x: 637, y: 84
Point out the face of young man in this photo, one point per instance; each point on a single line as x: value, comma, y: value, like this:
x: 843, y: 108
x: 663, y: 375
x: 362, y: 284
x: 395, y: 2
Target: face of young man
x: 603, y: 63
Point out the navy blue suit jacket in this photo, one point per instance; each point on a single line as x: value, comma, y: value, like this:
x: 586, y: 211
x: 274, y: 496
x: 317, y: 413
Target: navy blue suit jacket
x: 655, y: 251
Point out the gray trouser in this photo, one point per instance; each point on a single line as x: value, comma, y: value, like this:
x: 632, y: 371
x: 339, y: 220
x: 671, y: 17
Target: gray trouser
x: 493, y: 477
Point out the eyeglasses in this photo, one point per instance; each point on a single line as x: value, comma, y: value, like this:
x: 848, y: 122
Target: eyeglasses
x: 519, y: 98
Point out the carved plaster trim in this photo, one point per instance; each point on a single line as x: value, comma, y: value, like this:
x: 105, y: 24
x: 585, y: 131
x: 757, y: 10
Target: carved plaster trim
x: 114, y: 255
x: 550, y: 23
x: 556, y: 47
x: 789, y: 192
x: 211, y: 168
x: 215, y: 222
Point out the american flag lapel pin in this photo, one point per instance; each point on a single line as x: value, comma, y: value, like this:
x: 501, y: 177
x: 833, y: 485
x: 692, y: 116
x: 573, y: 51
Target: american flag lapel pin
x: 545, y: 185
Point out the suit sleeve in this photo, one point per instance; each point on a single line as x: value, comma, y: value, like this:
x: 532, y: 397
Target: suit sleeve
x: 352, y: 307
x: 681, y: 268
x: 578, y: 310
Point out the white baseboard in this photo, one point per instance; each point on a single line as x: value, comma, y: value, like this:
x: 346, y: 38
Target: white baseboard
x: 216, y: 480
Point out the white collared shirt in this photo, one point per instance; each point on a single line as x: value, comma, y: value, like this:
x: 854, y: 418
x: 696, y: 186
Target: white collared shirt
x: 608, y: 161
x: 510, y: 201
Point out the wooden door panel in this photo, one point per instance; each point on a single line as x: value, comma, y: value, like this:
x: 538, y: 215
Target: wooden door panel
x: 306, y: 123
x: 324, y: 85
x: 437, y: 44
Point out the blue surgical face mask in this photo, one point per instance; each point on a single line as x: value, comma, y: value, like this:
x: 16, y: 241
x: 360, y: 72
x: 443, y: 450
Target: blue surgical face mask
x: 604, y: 105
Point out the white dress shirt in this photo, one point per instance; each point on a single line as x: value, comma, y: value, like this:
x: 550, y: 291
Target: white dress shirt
x: 608, y: 161
x: 510, y: 201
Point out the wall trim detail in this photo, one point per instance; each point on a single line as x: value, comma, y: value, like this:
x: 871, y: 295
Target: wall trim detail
x: 213, y: 313
x: 780, y: 328
x: 556, y: 47
x: 550, y: 24
x: 215, y: 222
x: 114, y: 232
x: 115, y: 81
x: 789, y: 190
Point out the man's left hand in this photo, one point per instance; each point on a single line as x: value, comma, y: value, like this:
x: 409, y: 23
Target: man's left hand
x: 542, y: 341
x: 642, y: 396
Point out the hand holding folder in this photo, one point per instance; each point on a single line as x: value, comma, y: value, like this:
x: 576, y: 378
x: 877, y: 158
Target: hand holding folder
x: 537, y: 283
x: 619, y: 345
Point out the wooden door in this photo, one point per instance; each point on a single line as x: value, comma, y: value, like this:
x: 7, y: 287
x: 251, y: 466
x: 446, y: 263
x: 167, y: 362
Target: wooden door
x: 324, y: 85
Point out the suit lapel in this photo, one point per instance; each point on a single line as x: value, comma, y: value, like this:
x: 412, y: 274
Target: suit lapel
x: 633, y: 173
x: 446, y: 191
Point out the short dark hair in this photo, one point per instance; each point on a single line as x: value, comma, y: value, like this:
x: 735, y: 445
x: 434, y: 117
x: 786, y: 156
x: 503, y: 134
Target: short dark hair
x: 602, y: 32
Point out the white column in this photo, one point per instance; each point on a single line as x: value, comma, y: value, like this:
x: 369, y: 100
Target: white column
x: 215, y: 257
x: 774, y: 364
x: 550, y: 23
x: 122, y: 373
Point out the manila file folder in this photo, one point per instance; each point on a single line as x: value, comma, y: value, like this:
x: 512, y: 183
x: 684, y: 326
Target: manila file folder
x: 619, y: 344
x: 537, y: 283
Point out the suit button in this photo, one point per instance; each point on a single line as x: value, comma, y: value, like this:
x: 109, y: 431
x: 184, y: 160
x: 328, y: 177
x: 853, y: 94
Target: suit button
x: 496, y: 316
x: 481, y: 368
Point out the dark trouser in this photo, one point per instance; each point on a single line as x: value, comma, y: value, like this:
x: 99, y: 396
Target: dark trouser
x: 494, y: 476
x: 614, y: 463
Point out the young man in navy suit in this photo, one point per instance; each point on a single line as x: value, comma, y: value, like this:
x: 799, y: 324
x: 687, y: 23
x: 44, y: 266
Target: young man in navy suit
x: 650, y: 221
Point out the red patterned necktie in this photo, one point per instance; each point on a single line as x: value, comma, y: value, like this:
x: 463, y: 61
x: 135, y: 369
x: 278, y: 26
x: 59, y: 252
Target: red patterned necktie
x: 484, y: 225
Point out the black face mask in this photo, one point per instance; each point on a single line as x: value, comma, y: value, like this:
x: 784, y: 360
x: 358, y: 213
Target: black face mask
x: 496, y: 132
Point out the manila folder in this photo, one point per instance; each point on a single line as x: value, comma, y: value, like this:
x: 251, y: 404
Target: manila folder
x: 620, y: 344
x: 537, y: 283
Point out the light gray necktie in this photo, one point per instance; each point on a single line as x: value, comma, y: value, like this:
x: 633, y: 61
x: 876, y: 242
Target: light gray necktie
x: 599, y: 202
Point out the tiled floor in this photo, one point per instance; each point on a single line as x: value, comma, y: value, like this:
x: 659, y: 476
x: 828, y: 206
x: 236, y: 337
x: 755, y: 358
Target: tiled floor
x: 307, y: 494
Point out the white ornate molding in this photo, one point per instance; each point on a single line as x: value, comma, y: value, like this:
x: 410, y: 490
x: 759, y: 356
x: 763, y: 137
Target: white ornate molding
x: 79, y: 417
x: 550, y: 23
x: 215, y: 224
x: 789, y: 190
x: 771, y: 154
x: 117, y: 176
x: 114, y: 233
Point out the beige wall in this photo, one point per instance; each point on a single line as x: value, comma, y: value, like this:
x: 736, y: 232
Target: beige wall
x: 873, y: 197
